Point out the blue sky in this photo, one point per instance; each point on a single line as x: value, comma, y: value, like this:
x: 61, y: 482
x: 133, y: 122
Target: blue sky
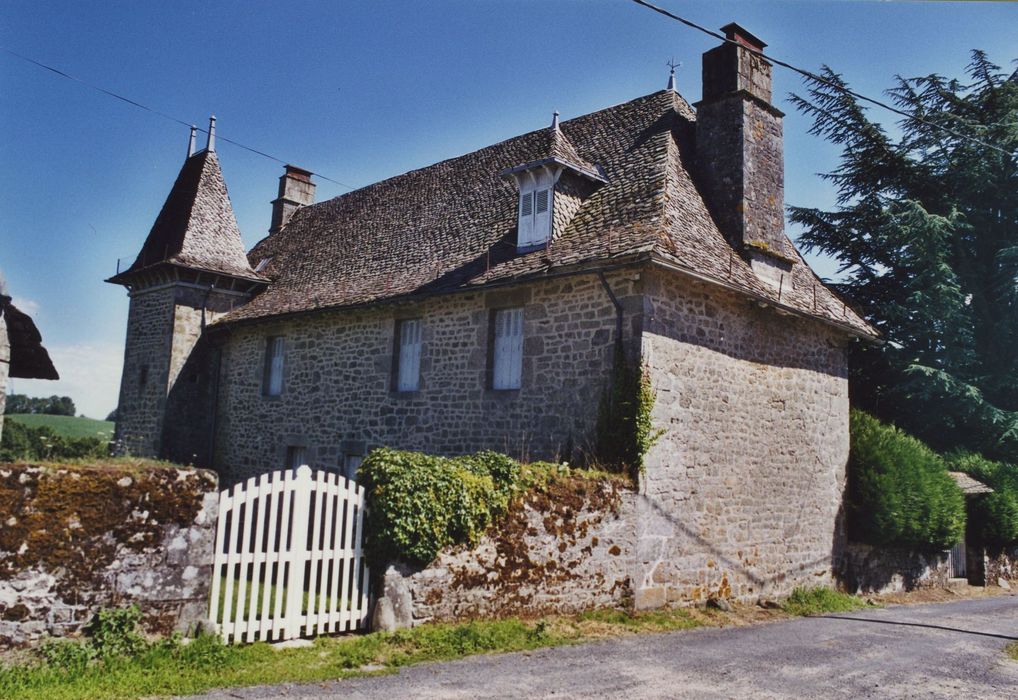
x: 359, y: 92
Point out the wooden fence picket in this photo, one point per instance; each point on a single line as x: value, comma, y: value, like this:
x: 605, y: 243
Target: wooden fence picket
x: 289, y: 557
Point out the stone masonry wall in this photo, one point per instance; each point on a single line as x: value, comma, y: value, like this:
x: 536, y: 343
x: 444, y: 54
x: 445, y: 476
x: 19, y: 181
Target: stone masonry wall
x: 146, y: 365
x: 564, y: 549
x: 338, y: 398
x: 742, y: 494
x: 74, y: 539
x: 1001, y: 563
x: 165, y: 400
x: 881, y: 570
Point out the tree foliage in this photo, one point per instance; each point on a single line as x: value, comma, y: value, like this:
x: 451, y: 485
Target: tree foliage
x: 926, y: 230
x: 53, y: 405
x: 899, y: 491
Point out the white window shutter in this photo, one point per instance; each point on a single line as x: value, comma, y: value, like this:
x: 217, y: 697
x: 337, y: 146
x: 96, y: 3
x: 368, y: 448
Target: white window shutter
x: 409, y: 355
x: 525, y: 230
x: 508, y: 359
x: 542, y: 216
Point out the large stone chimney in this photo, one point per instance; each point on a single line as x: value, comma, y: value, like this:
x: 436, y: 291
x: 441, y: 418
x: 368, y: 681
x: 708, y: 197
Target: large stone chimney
x: 295, y: 191
x: 740, y: 153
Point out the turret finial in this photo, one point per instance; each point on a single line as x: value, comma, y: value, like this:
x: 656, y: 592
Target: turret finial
x: 211, y: 145
x: 191, y: 140
x: 554, y: 120
x: 671, y: 74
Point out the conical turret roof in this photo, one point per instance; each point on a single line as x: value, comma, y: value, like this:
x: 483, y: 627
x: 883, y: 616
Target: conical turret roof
x: 196, y: 227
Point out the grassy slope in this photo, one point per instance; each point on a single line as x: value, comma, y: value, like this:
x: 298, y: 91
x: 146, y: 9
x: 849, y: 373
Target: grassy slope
x: 66, y: 426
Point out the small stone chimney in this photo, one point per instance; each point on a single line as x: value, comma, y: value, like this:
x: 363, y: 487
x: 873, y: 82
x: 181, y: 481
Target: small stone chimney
x: 295, y: 191
x: 740, y: 153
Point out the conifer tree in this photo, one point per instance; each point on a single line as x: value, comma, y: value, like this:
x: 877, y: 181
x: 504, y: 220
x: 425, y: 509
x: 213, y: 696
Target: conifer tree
x: 926, y: 232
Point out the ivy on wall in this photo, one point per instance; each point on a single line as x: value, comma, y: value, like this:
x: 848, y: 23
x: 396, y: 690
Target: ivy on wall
x: 625, y: 430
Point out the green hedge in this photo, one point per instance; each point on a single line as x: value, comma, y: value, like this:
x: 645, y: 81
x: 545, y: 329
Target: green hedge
x: 419, y: 503
x: 994, y: 516
x: 899, y: 491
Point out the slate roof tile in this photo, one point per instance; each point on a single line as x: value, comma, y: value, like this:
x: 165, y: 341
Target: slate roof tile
x: 452, y: 225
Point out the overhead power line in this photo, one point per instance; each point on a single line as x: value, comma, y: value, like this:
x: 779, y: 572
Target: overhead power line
x: 139, y: 105
x: 819, y: 78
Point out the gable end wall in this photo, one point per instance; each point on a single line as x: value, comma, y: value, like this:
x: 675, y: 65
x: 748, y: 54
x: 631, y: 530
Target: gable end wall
x: 742, y: 494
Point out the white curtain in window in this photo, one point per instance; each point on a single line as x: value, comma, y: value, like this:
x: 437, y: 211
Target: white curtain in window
x: 409, y: 355
x: 275, y: 379
x: 508, y: 360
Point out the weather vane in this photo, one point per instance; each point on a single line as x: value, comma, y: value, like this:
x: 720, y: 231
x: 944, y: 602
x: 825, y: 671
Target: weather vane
x: 671, y: 76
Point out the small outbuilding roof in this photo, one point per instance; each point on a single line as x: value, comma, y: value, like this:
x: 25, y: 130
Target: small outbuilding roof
x: 968, y: 485
x: 29, y: 359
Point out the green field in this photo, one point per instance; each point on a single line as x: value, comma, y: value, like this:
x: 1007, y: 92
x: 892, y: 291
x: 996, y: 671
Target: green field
x: 66, y: 426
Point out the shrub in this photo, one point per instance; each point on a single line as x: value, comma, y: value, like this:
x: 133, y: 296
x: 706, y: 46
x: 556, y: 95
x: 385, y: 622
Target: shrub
x: 420, y: 503
x: 114, y: 632
x: 994, y: 516
x: 899, y: 491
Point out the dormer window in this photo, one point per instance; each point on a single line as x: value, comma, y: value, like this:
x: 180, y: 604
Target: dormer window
x: 535, y: 210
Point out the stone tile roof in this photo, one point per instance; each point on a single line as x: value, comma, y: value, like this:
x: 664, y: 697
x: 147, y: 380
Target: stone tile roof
x: 196, y: 227
x: 29, y: 359
x: 968, y: 485
x: 451, y: 226
x: 558, y: 148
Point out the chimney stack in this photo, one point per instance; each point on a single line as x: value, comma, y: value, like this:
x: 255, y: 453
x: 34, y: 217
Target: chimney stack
x: 191, y: 140
x: 210, y: 145
x: 740, y: 152
x: 295, y: 191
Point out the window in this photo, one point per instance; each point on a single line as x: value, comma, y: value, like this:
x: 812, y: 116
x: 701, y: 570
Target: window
x: 296, y: 456
x: 142, y: 378
x: 408, y: 360
x: 507, y: 350
x: 534, y: 209
x: 273, y: 382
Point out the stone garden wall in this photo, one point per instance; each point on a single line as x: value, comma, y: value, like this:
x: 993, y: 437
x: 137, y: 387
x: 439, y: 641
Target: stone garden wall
x: 879, y: 570
x: 1001, y: 564
x: 74, y: 539
x: 564, y: 549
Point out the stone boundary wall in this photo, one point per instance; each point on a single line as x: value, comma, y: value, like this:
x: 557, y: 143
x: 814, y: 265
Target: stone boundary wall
x: 564, y: 549
x: 880, y: 570
x: 1001, y: 564
x: 74, y: 539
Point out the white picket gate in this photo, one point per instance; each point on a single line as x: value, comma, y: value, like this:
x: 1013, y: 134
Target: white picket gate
x: 289, y: 560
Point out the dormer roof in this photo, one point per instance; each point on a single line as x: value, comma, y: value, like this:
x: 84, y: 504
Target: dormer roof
x: 196, y: 228
x: 555, y: 148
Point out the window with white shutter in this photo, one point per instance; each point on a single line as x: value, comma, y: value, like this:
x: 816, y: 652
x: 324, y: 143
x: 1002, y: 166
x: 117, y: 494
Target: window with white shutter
x: 535, y: 214
x: 507, y: 359
x: 408, y: 364
x: 273, y: 384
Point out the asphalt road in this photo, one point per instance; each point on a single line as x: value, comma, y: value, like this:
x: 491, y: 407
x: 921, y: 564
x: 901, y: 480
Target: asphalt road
x: 947, y: 650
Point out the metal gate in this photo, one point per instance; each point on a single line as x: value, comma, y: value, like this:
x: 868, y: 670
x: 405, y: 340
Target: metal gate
x: 289, y: 560
x: 958, y: 566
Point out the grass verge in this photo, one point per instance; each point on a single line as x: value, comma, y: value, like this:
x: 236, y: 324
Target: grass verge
x: 820, y: 600
x: 1012, y: 650
x: 169, y: 668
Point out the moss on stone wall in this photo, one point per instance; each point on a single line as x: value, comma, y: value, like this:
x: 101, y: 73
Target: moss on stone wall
x: 73, y: 522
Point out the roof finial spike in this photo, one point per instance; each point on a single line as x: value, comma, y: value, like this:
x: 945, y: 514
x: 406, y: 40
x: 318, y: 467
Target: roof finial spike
x: 671, y: 74
x: 211, y: 145
x: 191, y: 140
x: 554, y: 120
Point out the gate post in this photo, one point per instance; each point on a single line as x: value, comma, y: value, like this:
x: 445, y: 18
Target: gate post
x: 298, y: 553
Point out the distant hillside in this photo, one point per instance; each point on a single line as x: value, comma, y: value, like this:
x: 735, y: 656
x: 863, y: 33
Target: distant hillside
x: 67, y: 426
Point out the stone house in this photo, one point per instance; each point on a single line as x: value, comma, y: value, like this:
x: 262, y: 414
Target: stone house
x: 475, y: 304
x: 22, y: 354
